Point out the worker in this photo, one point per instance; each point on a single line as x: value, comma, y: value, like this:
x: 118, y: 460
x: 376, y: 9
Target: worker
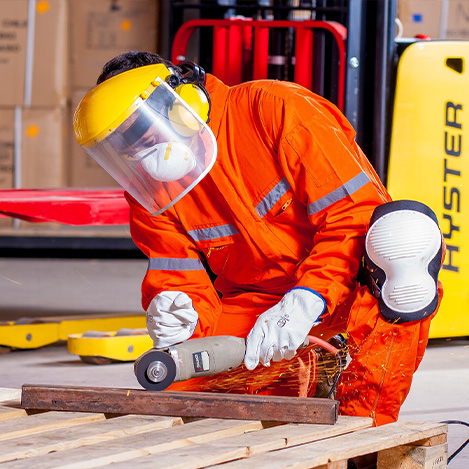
x: 256, y: 208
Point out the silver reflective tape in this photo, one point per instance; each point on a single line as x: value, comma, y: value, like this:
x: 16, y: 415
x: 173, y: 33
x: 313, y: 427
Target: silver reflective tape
x: 343, y: 191
x: 28, y: 79
x: 170, y: 263
x: 214, y: 232
x: 272, y: 197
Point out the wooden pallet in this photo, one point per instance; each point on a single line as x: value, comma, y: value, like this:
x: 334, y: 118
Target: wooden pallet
x: 80, y: 440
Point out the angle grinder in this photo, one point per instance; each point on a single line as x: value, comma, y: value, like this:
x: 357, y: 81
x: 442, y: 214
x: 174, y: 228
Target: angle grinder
x: 159, y: 368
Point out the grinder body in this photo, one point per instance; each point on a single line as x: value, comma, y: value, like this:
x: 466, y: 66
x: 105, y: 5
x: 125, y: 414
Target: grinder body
x: 159, y: 368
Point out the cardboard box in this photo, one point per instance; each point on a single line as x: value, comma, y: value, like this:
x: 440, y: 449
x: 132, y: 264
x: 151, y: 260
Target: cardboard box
x: 102, y: 29
x: 34, y: 53
x: 421, y: 17
x: 82, y: 170
x: 7, y: 151
x: 438, y: 19
x: 38, y: 136
x: 457, y: 19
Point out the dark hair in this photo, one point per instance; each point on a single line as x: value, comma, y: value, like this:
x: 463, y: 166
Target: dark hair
x: 130, y: 60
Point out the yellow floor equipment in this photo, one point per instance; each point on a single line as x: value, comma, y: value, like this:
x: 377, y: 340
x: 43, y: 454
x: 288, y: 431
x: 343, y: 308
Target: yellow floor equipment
x: 102, y: 348
x: 31, y: 333
x: 429, y: 159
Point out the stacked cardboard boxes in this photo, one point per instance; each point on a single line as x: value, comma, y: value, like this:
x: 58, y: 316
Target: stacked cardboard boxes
x: 34, y: 93
x: 51, y: 52
x: 100, y: 30
x: 32, y: 147
x: 438, y: 19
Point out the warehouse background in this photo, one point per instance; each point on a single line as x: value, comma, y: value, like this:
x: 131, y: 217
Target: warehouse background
x: 50, y: 55
x: 51, y: 52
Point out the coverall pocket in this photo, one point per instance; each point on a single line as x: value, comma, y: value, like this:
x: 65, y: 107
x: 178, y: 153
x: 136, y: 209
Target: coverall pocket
x: 230, y: 262
x: 217, y: 257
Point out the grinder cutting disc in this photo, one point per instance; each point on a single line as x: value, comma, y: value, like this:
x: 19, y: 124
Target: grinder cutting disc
x: 155, y: 370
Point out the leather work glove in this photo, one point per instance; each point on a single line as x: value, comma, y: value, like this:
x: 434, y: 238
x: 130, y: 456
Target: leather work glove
x: 282, y: 329
x: 171, y: 318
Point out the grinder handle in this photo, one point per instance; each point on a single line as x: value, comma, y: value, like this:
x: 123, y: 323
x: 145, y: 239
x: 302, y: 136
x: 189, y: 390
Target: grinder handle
x: 207, y: 356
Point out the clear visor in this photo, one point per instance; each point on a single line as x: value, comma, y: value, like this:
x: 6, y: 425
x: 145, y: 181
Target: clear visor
x: 160, y: 152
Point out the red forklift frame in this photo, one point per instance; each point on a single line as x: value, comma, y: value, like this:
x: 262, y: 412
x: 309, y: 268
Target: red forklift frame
x: 234, y: 38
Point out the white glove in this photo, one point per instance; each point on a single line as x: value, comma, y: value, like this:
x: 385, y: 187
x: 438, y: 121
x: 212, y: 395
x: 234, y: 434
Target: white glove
x: 171, y: 318
x: 279, y: 331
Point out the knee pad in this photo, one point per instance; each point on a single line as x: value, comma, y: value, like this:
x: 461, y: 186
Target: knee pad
x: 404, y: 250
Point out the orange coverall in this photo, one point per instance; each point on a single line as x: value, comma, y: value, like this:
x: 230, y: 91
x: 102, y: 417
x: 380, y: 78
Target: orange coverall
x: 287, y: 203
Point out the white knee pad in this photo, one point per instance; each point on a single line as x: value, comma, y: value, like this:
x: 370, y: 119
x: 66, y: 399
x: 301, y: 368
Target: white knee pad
x: 404, y: 253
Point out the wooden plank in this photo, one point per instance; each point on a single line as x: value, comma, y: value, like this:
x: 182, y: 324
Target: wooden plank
x: 85, y: 435
x: 10, y: 407
x: 45, y: 422
x: 9, y: 413
x: 309, y: 433
x: 131, y: 447
x: 414, y: 457
x: 182, y: 404
x: 432, y: 441
x: 7, y: 394
x: 342, y: 448
x: 248, y: 445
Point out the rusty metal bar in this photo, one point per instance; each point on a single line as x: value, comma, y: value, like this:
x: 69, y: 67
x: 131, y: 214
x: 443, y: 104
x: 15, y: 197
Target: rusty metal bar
x: 181, y: 404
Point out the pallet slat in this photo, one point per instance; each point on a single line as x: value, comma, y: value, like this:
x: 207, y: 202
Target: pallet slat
x: 45, y: 422
x: 183, y: 404
x: 341, y: 448
x: 75, y: 440
x: 131, y: 447
x: 85, y: 435
x: 248, y: 445
x: 7, y: 394
x: 411, y: 457
x: 8, y: 413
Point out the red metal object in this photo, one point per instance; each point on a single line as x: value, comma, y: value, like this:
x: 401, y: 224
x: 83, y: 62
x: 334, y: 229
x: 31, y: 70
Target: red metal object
x: 261, y: 53
x: 67, y: 206
x: 233, y: 37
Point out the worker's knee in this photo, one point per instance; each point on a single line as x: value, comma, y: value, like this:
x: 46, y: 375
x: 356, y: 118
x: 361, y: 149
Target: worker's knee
x: 404, y: 250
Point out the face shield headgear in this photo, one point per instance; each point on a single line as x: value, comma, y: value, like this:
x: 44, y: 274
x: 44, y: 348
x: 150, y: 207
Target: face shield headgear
x: 141, y: 131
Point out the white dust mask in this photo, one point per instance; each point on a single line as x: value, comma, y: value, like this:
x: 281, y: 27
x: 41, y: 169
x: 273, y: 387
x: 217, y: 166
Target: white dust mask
x: 166, y: 162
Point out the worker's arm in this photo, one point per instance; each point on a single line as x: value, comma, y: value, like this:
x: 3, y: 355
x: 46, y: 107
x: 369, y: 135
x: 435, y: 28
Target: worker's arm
x: 176, y: 290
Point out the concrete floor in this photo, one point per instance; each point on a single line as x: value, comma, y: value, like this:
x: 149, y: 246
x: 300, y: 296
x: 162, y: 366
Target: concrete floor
x: 38, y: 287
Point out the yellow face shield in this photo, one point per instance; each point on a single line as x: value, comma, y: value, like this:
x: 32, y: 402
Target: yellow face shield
x: 160, y: 149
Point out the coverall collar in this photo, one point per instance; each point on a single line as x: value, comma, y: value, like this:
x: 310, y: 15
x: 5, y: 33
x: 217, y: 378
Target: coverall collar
x: 218, y: 92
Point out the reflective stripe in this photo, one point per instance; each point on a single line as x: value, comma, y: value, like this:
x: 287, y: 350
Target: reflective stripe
x: 343, y: 191
x: 213, y: 232
x: 272, y: 197
x: 170, y: 263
